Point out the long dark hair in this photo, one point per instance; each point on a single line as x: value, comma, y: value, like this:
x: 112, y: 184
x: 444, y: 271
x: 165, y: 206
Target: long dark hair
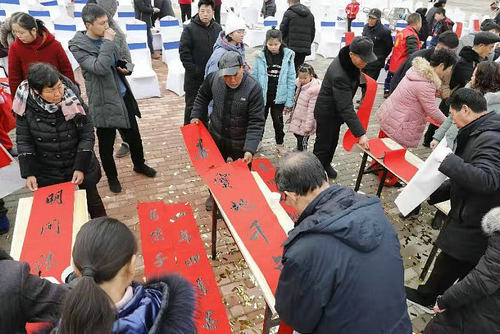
x: 103, y: 246
x: 27, y: 22
x: 487, y: 77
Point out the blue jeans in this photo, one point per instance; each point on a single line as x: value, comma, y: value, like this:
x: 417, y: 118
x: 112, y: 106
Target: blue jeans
x: 150, y: 40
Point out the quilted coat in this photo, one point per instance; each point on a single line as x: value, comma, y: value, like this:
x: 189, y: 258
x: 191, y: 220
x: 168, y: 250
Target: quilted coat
x: 303, y: 113
x: 403, y: 116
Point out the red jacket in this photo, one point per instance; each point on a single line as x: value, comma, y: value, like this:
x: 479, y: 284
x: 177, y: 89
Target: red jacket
x: 352, y: 10
x: 185, y: 2
x: 44, y: 49
x: 400, y: 51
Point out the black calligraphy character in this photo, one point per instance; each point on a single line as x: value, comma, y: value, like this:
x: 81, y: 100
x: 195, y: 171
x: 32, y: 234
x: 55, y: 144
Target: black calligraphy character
x: 258, y: 231
x: 44, y: 262
x: 209, y: 322
x: 55, y: 198
x: 223, y: 180
x: 201, y: 286
x: 157, y: 235
x: 242, y: 204
x: 263, y: 167
x: 185, y: 237
x: 51, y: 225
x: 177, y: 216
x: 160, y: 259
x: 202, y: 152
x: 192, y: 260
x: 277, y: 260
x: 153, y: 215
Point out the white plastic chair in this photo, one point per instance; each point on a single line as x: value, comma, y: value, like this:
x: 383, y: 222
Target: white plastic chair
x: 143, y: 80
x: 357, y: 27
x: 175, y: 77
x: 12, y: 6
x: 269, y: 22
x: 330, y: 40
x: 401, y: 24
x: 43, y: 14
x: 137, y: 30
x: 124, y: 14
x: 170, y: 37
x: 64, y: 30
x: 56, y: 8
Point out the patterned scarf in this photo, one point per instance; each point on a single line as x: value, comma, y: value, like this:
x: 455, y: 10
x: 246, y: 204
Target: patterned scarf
x: 70, y: 104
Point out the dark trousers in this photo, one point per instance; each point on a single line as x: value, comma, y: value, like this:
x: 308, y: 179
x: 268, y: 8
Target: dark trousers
x: 106, y: 138
x: 429, y: 134
x: 3, y: 209
x: 150, y: 40
x: 277, y: 116
x: 446, y: 271
x: 387, y: 83
x: 372, y: 73
x: 327, y: 138
x: 299, y: 60
x: 185, y: 12
x: 302, y: 142
x: 217, y: 13
x: 189, y: 98
x: 349, y: 23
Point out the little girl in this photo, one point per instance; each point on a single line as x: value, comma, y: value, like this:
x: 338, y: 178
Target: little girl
x: 274, y: 69
x: 302, y: 122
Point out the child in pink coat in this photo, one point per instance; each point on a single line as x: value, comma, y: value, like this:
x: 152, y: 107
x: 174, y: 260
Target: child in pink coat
x: 302, y: 122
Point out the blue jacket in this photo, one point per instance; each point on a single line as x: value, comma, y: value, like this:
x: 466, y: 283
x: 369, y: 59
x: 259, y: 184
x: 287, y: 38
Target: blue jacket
x: 342, y: 269
x: 163, y: 306
x: 222, y: 46
x: 286, y: 81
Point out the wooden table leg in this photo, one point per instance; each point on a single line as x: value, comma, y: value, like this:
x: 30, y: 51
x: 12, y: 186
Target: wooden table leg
x: 382, y: 182
x: 214, y: 229
x: 434, y: 250
x: 267, y: 320
x: 361, y: 171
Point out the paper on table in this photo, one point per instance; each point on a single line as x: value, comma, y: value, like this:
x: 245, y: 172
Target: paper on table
x: 423, y: 184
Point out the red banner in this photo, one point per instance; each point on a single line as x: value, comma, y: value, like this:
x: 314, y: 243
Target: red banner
x: 364, y: 112
x: 47, y: 244
x: 171, y: 243
x: 394, y: 160
x: 5, y: 160
x: 266, y: 171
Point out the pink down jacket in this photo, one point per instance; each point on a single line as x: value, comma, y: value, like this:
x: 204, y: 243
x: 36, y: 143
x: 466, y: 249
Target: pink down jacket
x: 403, y: 116
x: 303, y: 114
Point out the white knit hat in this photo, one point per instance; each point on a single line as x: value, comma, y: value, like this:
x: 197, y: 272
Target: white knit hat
x: 233, y: 23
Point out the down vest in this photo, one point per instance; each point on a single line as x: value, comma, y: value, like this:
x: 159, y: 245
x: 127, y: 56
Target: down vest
x: 238, y: 114
x: 403, y: 116
x: 51, y: 148
x: 303, y: 112
x: 473, y: 304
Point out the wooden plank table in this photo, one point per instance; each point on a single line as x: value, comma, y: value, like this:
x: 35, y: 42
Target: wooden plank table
x: 287, y: 225
x: 80, y: 217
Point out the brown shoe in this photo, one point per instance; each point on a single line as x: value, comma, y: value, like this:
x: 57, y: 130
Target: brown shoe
x: 155, y: 55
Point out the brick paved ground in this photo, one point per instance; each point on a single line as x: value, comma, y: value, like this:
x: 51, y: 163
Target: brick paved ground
x: 177, y: 181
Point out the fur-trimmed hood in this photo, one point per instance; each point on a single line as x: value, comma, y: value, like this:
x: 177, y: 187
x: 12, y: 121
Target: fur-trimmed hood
x: 346, y: 63
x: 422, y: 70
x: 491, y: 221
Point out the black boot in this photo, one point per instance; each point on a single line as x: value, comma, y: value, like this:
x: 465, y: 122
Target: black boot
x: 332, y: 173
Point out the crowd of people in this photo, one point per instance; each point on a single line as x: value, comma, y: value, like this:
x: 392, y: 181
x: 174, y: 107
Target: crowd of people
x: 342, y: 270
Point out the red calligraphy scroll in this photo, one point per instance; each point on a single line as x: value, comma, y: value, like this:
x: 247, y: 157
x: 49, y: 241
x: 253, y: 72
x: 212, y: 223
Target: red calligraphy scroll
x: 47, y: 244
x: 202, y: 149
x: 171, y: 243
x: 266, y: 171
x: 394, y: 160
x: 364, y: 112
x: 5, y: 160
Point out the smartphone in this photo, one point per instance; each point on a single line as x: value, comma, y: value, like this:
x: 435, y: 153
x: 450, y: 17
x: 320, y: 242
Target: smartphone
x: 125, y: 65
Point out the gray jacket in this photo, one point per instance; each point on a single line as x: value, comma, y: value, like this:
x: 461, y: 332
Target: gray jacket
x: 106, y: 105
x: 110, y: 6
x: 450, y: 131
x: 468, y: 40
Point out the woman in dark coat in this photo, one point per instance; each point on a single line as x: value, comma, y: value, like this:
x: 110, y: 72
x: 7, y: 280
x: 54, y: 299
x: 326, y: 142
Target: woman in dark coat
x: 473, y: 304
x: 55, y: 138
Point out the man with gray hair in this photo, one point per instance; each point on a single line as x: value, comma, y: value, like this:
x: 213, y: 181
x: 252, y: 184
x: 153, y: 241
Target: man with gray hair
x: 342, y: 269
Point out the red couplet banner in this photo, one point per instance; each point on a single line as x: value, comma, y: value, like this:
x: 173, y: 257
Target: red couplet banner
x: 364, y: 112
x: 171, y: 242
x: 47, y: 244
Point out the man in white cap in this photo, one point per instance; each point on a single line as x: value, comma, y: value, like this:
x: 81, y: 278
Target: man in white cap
x: 237, y: 120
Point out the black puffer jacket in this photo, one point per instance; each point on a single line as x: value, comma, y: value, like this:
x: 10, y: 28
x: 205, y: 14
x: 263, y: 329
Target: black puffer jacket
x: 401, y: 72
x: 51, y: 148
x: 473, y: 304
x: 474, y: 188
x: 238, y: 114
x: 144, y: 11
x: 382, y: 43
x: 196, y: 47
x: 462, y: 73
x: 268, y: 8
x: 26, y: 297
x: 298, y: 28
x: 342, y: 269
x: 337, y: 91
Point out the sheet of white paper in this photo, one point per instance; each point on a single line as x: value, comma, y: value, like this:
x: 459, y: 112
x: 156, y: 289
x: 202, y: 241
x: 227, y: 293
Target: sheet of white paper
x: 10, y: 177
x: 423, y: 184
